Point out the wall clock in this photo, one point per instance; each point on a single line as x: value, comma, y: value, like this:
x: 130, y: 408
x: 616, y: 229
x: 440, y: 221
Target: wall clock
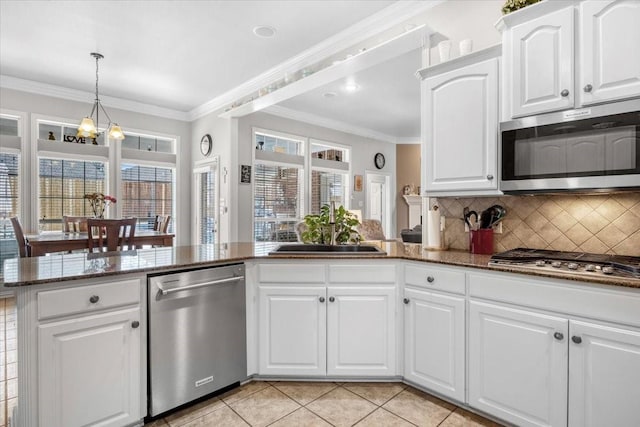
x: 206, y: 144
x: 379, y: 160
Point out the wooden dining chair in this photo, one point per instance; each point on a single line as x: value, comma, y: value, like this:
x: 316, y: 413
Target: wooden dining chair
x: 112, y: 234
x: 69, y: 221
x: 162, y: 223
x: 23, y: 248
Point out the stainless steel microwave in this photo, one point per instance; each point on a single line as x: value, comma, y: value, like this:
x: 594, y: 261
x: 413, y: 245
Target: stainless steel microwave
x: 589, y: 149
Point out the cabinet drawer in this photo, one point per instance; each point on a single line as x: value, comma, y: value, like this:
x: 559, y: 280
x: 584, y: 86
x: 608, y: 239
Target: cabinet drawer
x: 291, y: 273
x: 61, y: 302
x: 362, y: 273
x: 435, y: 278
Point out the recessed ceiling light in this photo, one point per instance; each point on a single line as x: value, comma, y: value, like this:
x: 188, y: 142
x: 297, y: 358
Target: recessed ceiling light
x: 351, y: 87
x: 264, y: 31
x: 329, y: 94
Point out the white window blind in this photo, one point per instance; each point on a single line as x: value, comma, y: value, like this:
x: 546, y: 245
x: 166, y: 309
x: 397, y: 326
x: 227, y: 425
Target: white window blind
x: 207, y: 206
x: 277, y: 200
x: 9, y: 206
x: 62, y: 186
x: 146, y: 192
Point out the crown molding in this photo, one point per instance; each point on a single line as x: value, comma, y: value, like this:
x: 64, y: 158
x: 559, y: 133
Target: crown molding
x: 377, y: 23
x: 45, y: 89
x: 313, y: 119
x: 409, y: 140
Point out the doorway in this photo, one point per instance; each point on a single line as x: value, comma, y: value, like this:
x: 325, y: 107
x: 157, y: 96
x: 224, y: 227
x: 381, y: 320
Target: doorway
x: 378, y: 196
x: 206, y: 191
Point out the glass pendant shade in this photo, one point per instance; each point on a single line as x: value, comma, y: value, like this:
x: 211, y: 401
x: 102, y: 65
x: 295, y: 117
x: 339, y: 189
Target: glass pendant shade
x: 115, y: 132
x: 87, y: 127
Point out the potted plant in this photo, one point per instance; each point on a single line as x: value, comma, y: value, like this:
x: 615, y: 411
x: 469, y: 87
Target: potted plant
x: 513, y: 5
x: 319, y: 228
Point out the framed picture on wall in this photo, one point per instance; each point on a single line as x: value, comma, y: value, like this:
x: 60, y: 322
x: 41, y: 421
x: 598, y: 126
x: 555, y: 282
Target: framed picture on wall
x: 245, y: 174
x: 357, y: 183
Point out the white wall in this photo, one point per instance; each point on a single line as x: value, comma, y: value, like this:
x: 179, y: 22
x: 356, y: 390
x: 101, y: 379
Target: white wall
x: 55, y: 107
x: 363, y: 150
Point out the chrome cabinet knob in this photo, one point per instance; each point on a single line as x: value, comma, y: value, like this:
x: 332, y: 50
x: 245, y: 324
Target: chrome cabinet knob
x: 490, y: 177
x: 94, y: 299
x: 558, y: 335
x: 331, y: 299
x: 564, y: 93
x: 576, y: 339
x: 135, y: 324
x: 406, y: 300
x: 588, y: 88
x: 430, y: 279
x: 321, y: 299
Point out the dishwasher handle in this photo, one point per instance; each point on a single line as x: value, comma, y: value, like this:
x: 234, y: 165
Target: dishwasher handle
x: 164, y: 292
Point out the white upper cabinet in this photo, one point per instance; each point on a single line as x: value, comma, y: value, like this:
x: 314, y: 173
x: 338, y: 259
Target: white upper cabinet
x: 560, y: 56
x: 609, y: 50
x: 460, y: 129
x: 542, y: 64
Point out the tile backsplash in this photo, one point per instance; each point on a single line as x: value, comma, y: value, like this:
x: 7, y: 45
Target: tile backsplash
x: 602, y: 223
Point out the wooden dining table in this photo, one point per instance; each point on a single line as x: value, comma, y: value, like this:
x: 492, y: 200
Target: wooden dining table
x: 45, y: 243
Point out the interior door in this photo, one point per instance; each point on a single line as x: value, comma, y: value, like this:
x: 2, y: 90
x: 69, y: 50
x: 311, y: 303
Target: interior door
x: 378, y: 200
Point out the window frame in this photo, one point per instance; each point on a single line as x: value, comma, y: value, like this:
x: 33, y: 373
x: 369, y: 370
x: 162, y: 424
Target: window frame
x: 303, y: 161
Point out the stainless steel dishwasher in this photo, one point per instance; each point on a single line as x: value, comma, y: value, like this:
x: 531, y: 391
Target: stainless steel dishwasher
x: 197, y: 334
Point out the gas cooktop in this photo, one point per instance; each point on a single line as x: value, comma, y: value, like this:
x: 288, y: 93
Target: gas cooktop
x: 570, y: 262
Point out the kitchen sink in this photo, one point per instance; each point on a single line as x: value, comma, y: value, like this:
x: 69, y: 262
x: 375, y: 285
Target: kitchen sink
x: 304, y: 248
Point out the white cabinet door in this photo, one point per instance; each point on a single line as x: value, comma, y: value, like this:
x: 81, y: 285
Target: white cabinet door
x: 89, y: 371
x: 361, y: 331
x: 542, y: 64
x: 434, y: 342
x: 609, y: 50
x: 604, y: 376
x: 292, y: 330
x: 518, y: 365
x: 460, y: 128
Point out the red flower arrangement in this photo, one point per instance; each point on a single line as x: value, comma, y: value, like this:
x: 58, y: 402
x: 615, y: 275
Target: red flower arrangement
x: 99, y: 203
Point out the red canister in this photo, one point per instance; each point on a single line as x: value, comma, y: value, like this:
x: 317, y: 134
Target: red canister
x: 481, y: 241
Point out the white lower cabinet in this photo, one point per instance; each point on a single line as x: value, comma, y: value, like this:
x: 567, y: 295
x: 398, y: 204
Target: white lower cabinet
x: 311, y: 331
x: 518, y: 364
x: 604, y: 375
x: 534, y: 369
x: 292, y: 330
x: 361, y: 331
x: 335, y: 319
x: 90, y: 370
x: 434, y: 350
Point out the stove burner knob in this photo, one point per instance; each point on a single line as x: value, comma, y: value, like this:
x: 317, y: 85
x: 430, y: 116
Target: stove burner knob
x: 572, y: 266
x: 590, y: 267
x: 540, y: 263
x: 556, y: 264
x: 607, y: 270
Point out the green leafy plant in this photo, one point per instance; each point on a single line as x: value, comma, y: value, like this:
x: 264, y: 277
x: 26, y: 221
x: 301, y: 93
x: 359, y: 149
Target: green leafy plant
x: 513, y: 5
x: 319, y: 229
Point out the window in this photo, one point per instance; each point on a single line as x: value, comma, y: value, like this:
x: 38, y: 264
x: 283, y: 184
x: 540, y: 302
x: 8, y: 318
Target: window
x: 146, y: 192
x: 9, y: 190
x: 329, y: 175
x: 278, y: 186
x: 62, y: 186
x: 70, y: 167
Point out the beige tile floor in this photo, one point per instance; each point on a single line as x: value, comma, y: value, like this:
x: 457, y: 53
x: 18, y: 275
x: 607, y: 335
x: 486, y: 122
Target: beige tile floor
x: 321, y: 404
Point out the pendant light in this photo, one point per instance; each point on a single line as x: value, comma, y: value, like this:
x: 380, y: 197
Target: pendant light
x: 88, y: 126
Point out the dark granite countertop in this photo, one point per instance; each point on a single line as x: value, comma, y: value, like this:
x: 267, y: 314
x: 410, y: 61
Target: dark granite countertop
x: 63, y: 267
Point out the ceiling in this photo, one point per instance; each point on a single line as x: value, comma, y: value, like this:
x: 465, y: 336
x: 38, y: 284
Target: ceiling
x: 180, y: 55
x: 387, y: 101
